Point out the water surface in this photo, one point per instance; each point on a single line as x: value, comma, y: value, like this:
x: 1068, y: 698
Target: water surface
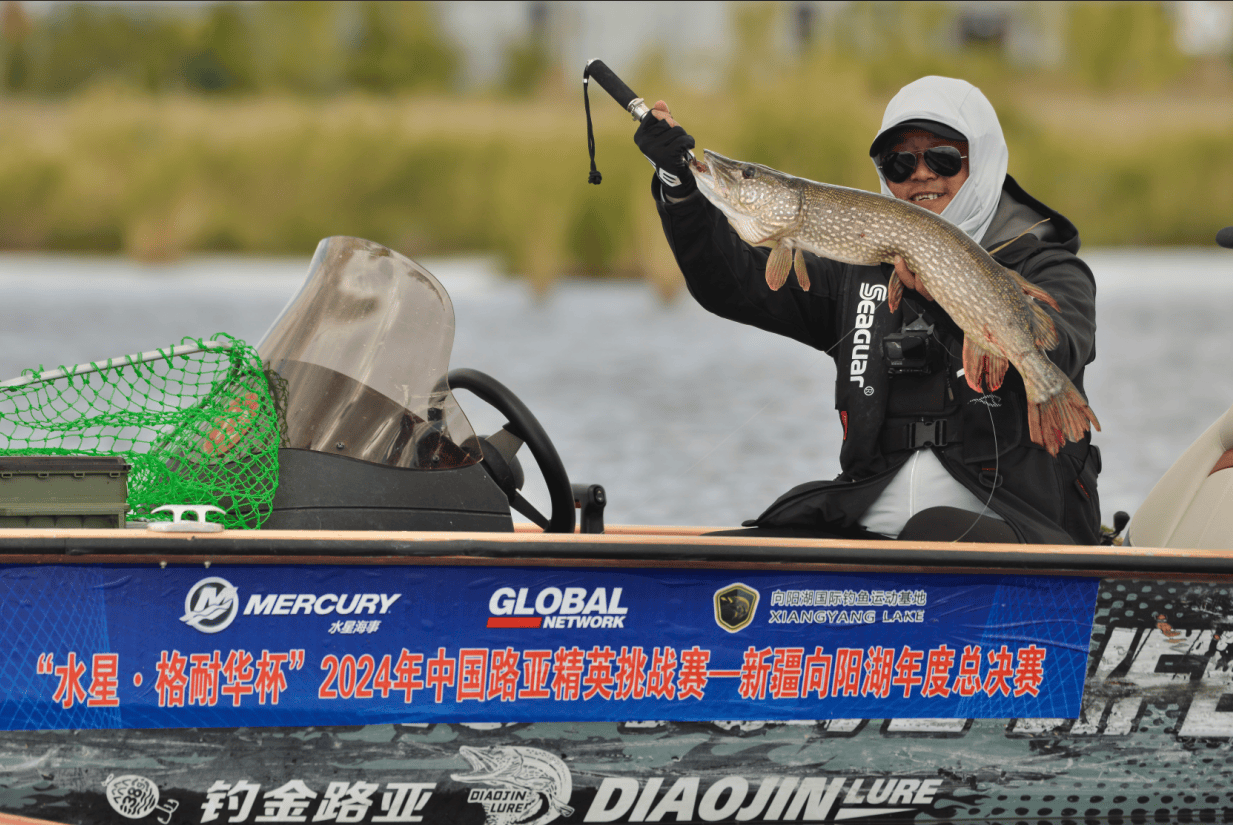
x: 685, y: 418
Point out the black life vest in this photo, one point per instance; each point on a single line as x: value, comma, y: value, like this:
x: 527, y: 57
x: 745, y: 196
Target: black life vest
x: 981, y: 439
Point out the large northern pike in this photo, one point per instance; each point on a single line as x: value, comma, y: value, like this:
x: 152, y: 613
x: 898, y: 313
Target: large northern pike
x: 996, y: 307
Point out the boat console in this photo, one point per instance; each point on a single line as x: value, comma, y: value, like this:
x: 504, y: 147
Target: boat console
x: 372, y: 436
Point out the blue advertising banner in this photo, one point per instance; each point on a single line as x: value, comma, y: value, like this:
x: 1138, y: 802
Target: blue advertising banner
x: 129, y: 646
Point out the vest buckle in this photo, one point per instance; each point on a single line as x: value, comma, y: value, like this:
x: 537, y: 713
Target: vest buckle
x: 926, y: 434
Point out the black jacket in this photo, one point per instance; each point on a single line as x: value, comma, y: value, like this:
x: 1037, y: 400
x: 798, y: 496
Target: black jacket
x: 981, y: 440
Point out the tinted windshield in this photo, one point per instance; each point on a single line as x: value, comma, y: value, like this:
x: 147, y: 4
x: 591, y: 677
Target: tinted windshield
x: 360, y: 356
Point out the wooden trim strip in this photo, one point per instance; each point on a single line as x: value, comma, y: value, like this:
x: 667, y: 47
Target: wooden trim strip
x: 631, y: 546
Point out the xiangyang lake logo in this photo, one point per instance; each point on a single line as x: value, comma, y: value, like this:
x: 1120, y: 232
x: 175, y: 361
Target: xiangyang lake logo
x: 735, y: 606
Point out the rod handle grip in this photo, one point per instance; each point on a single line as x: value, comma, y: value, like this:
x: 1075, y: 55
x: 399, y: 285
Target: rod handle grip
x: 614, y: 86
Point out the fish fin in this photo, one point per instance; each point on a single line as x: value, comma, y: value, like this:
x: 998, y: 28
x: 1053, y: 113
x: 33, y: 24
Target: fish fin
x: 1043, y: 329
x: 981, y: 367
x: 802, y: 276
x: 1044, y: 332
x: 1032, y: 290
x: 1064, y: 416
x: 894, y: 292
x: 995, y: 371
x: 778, y: 265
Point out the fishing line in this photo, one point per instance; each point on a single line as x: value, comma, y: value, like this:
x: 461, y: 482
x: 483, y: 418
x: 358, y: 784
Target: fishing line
x: 992, y: 424
x: 721, y: 441
x: 1002, y: 246
x: 827, y: 351
x: 763, y: 409
x: 993, y: 487
x: 747, y: 421
x: 993, y: 427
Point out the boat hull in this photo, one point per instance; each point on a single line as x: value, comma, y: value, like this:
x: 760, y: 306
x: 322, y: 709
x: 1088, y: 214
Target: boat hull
x: 1144, y: 734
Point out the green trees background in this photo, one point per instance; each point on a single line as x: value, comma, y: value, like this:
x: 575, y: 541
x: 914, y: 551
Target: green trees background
x: 159, y: 131
x: 302, y: 48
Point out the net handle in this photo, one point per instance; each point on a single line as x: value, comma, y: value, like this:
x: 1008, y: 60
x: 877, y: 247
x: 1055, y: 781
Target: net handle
x: 93, y: 366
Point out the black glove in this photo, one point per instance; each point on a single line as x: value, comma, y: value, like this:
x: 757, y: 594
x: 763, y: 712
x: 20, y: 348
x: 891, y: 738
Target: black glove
x: 666, y: 147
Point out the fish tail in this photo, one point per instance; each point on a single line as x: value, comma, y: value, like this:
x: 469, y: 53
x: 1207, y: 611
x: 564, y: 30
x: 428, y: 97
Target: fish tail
x: 1063, y: 416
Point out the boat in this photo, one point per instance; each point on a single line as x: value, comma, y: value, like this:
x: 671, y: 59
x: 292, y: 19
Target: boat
x: 390, y: 646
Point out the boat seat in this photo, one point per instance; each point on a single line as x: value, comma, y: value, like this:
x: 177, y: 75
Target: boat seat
x: 1192, y: 504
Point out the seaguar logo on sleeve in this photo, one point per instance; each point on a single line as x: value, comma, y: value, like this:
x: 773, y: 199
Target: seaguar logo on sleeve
x: 518, y: 785
x: 871, y: 296
x: 211, y: 605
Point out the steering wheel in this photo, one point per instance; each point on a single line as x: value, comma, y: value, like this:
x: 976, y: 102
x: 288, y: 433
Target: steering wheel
x: 523, y: 425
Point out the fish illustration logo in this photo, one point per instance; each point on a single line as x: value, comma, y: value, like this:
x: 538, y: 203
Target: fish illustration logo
x: 521, y: 786
x: 735, y: 606
x: 136, y: 797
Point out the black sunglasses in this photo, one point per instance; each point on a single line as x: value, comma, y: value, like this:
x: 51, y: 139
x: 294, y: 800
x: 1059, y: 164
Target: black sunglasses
x: 899, y: 166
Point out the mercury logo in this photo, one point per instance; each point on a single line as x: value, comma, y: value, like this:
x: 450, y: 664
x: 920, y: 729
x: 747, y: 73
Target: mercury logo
x: 871, y: 296
x: 211, y: 605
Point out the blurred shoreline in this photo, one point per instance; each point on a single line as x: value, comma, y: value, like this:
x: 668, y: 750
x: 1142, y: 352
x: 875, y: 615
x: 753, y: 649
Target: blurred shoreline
x: 1123, y: 133
x: 159, y: 178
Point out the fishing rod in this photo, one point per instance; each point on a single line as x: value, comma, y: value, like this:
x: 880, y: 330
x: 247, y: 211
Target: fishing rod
x: 621, y: 93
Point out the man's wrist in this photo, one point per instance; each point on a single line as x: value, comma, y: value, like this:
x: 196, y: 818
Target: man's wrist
x: 678, y: 181
x: 671, y: 194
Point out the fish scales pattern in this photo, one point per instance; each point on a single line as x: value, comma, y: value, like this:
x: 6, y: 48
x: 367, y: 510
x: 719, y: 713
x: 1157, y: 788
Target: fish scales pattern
x: 887, y: 232
x: 991, y: 304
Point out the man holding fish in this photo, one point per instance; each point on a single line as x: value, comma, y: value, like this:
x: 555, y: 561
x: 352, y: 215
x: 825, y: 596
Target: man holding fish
x: 924, y: 316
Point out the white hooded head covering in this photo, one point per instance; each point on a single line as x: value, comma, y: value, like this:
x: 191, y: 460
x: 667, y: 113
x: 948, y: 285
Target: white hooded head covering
x: 963, y: 107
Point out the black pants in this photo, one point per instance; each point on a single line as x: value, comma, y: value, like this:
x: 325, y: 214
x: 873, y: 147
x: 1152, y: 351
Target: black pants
x: 933, y: 524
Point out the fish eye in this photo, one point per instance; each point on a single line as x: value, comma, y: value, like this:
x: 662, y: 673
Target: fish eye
x: 749, y: 172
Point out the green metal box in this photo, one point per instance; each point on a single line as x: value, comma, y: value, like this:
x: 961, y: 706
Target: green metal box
x: 63, y: 491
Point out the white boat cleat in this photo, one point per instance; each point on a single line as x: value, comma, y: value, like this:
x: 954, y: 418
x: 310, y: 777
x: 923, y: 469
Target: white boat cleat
x: 179, y: 525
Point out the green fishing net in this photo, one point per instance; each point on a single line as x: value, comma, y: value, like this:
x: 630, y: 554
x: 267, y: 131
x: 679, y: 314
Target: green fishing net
x: 197, y: 423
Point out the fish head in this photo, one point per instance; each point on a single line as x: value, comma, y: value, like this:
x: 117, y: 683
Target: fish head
x: 489, y: 764
x: 760, y: 203
x: 738, y: 604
